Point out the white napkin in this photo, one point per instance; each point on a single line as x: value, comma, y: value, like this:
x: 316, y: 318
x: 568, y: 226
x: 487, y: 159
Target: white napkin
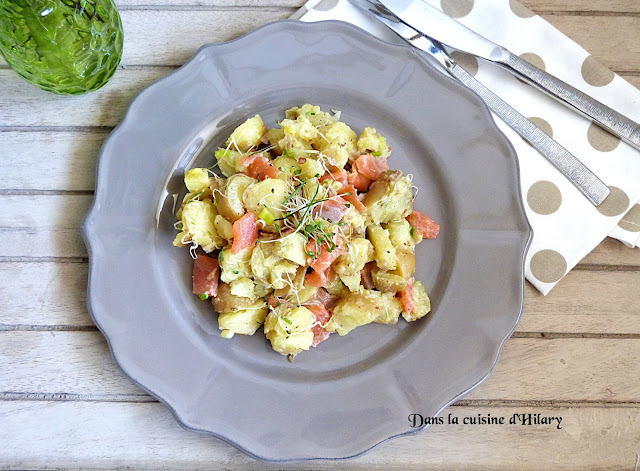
x: 566, y: 226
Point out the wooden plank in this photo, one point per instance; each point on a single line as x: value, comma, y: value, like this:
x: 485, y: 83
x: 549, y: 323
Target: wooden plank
x: 171, y: 36
x: 612, y: 252
x: 604, y: 6
x: 43, y: 226
x: 529, y: 369
x: 146, y: 436
x: 577, y: 304
x: 605, y: 37
x: 53, y: 294
x: 50, y: 160
x: 25, y: 105
x: 44, y: 293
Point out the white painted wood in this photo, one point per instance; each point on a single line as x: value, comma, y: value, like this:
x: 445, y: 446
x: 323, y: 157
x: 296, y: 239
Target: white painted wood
x: 25, y: 105
x: 90, y: 435
x: 43, y: 226
x: 50, y: 160
x: 43, y: 294
x: 530, y: 369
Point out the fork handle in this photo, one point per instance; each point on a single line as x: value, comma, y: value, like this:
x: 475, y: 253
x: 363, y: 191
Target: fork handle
x: 574, y: 170
x: 574, y: 99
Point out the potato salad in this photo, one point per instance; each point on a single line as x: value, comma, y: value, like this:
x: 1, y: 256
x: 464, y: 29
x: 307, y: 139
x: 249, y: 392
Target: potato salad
x: 306, y: 233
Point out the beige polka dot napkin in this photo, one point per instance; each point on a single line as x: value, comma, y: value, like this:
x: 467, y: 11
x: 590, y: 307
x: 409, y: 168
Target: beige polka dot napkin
x: 566, y: 226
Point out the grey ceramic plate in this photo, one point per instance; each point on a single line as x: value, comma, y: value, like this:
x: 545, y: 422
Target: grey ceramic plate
x: 350, y: 393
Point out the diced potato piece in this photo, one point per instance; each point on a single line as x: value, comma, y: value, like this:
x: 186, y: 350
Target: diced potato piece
x: 198, y: 220
x: 351, y: 281
x: 400, y: 234
x: 422, y: 301
x: 286, y: 164
x: 180, y: 239
x: 356, y: 220
x: 283, y: 274
x: 398, y: 279
x: 247, y: 135
x: 356, y: 309
x: 244, y: 321
x: 263, y: 259
x: 229, y: 162
x: 311, y: 168
x: 312, y: 113
x: 359, y: 252
x: 224, y: 227
x: 391, y: 309
x: 233, y: 267
x: 224, y: 301
x: 289, y: 331
x: 337, y: 141
x: 197, y: 179
x: 298, y: 133
x: 388, y: 281
x: 275, y: 135
x: 243, y: 287
x: 289, y: 290
x: 372, y: 142
x: 292, y: 248
x: 390, y: 197
x: 336, y: 287
x: 231, y: 205
x: 193, y: 196
x: 262, y: 291
x: 385, y: 252
x: 307, y: 293
x: 270, y: 192
x: 406, y: 263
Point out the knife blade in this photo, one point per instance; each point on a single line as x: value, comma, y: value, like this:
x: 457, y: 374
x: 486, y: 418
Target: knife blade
x: 574, y: 170
x: 431, y: 22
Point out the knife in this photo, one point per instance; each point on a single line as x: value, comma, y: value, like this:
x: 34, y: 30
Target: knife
x: 574, y: 170
x: 431, y: 22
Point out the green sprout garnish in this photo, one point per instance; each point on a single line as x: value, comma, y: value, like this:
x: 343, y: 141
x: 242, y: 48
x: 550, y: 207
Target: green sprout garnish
x: 204, y: 296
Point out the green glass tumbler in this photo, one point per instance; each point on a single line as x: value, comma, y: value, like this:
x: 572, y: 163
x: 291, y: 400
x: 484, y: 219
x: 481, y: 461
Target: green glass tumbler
x: 62, y: 46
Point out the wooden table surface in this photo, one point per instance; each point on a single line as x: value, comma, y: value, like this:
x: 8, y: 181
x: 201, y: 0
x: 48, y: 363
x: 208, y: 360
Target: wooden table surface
x: 65, y: 404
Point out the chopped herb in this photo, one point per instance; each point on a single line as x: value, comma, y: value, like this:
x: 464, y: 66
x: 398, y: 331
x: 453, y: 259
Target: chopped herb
x: 204, y: 296
x: 266, y: 216
x: 236, y: 272
x: 341, y: 223
x: 196, y: 196
x: 287, y: 320
x: 376, y: 153
x: 278, y: 304
x: 317, y: 175
x: 292, y: 194
x: 310, y: 113
x: 298, y: 171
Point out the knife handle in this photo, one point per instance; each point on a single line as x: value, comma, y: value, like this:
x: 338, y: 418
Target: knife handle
x: 573, y: 98
x: 574, y: 170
